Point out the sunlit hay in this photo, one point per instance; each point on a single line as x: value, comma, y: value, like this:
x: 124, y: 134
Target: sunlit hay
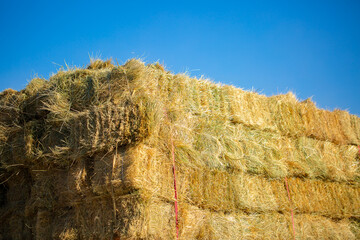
x: 207, y: 144
x: 350, y: 153
x: 273, y: 155
x: 59, y: 108
x: 326, y: 125
x: 325, y: 198
x: 35, y: 86
x: 248, y: 108
x: 346, y: 127
x: 339, y: 130
x: 219, y: 225
x: 218, y: 145
x: 355, y: 124
x: 222, y: 191
x: 57, y: 103
x: 96, y: 64
x: 132, y: 80
x: 208, y: 140
x: 150, y: 88
x: 308, y: 113
x: 286, y: 114
x: 139, y: 217
x: 211, y: 100
x: 141, y: 162
x: 83, y: 88
x: 332, y: 126
x: 212, y: 103
x: 263, y: 153
x: 316, y: 121
x: 177, y: 93
x: 310, y: 157
x: 279, y: 226
x: 256, y: 194
x: 341, y: 161
x: 37, y: 98
x: 80, y: 87
x: 102, y: 138
x: 321, y: 118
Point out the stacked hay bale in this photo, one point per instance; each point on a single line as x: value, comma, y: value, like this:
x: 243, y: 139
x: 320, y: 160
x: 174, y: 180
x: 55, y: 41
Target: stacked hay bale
x: 88, y: 155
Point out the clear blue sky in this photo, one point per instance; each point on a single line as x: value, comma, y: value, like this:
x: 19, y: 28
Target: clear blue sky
x: 309, y: 47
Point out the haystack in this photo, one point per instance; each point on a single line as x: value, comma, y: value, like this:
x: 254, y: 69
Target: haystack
x: 88, y: 154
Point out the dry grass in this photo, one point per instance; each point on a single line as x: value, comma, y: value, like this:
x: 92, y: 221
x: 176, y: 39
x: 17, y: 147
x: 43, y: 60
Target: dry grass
x: 96, y: 139
x: 221, y: 190
x: 142, y: 218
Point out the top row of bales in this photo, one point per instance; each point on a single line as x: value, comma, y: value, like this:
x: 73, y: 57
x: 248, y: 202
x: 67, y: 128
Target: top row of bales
x: 144, y: 92
x: 280, y: 113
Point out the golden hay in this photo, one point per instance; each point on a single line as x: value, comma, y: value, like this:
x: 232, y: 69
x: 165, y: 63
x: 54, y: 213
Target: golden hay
x: 99, y: 64
x: 220, y: 190
x: 141, y: 218
x: 217, y: 225
x: 87, y: 155
x: 157, y: 222
x: 144, y: 216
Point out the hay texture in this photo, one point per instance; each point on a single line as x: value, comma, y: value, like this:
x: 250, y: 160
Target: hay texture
x: 87, y: 154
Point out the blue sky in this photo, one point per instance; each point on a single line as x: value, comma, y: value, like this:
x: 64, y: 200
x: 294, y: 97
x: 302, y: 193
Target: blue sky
x: 309, y: 47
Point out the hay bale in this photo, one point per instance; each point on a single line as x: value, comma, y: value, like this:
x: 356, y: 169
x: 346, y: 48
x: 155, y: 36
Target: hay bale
x: 95, y: 145
x: 248, y: 108
x: 143, y: 216
x: 139, y: 218
x: 10, y: 101
x: 220, y: 190
x: 286, y: 114
x: 216, y: 225
x: 355, y: 124
x: 344, y: 118
x: 105, y: 127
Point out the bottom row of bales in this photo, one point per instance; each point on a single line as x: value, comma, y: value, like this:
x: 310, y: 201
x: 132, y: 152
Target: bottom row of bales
x: 114, y: 195
x: 140, y: 217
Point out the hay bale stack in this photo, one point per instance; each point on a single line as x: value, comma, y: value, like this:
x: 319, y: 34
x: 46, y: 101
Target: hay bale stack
x: 88, y: 155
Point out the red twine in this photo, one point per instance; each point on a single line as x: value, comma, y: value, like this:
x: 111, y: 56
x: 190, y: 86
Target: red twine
x: 174, y: 173
x: 175, y: 191
x: 292, y: 213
